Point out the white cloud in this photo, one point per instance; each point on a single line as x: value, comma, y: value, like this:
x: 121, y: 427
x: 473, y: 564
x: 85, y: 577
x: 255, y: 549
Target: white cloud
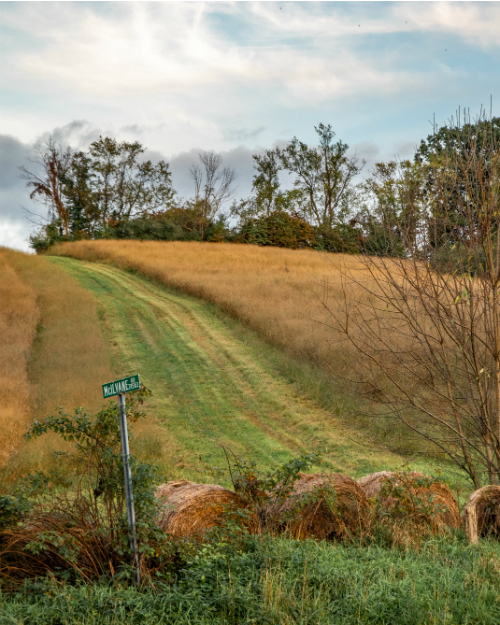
x: 139, y: 50
x: 14, y: 234
x: 474, y: 22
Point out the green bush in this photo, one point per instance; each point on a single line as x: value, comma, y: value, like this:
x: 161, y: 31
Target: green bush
x: 279, y: 229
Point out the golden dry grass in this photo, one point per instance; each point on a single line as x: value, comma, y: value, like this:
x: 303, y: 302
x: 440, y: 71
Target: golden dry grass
x: 277, y: 292
x: 52, y: 353
x: 19, y: 314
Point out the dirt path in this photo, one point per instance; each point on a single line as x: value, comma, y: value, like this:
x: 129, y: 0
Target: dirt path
x: 209, y: 387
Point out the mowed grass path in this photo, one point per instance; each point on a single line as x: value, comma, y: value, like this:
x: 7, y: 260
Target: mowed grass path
x: 209, y: 386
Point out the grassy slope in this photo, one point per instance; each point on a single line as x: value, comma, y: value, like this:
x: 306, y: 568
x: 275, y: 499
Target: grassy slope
x: 212, y: 382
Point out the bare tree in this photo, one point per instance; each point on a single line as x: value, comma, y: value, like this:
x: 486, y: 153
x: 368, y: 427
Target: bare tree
x: 427, y: 325
x: 51, y: 163
x: 213, y: 186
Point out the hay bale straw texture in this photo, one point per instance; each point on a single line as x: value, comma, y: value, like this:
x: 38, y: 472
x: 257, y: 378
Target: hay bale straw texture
x: 442, y: 496
x: 309, y: 511
x: 189, y: 509
x: 482, y: 513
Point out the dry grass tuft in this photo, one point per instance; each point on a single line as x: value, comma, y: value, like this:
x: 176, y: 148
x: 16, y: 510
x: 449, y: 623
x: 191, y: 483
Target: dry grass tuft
x: 482, y: 513
x: 70, y: 546
x: 191, y: 509
x: 325, y: 507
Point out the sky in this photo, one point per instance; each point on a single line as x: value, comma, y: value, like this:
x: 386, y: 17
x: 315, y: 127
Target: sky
x: 234, y: 77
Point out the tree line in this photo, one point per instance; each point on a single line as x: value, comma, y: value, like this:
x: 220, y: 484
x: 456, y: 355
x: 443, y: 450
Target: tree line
x: 111, y: 191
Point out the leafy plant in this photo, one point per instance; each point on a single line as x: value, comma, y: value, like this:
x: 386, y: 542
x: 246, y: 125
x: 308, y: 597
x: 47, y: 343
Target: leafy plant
x: 74, y: 520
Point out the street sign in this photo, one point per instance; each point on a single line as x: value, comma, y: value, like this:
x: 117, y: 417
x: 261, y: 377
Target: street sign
x: 120, y: 386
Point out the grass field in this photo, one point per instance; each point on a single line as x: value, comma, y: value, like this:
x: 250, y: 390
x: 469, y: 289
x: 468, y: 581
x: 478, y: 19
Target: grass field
x: 277, y: 292
x: 19, y: 314
x: 215, y: 382
x: 280, y: 294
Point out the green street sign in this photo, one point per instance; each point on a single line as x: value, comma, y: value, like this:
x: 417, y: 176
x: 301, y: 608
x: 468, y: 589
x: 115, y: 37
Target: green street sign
x: 120, y: 386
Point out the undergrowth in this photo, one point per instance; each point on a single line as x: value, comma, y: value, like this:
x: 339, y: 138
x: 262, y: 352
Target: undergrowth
x: 279, y: 581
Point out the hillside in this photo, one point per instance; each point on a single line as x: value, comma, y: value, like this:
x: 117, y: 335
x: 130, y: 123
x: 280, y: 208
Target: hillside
x: 214, y: 382
x: 290, y: 299
x: 52, y: 353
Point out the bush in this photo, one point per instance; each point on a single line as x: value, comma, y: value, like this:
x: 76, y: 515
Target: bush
x: 279, y: 229
x: 72, y: 523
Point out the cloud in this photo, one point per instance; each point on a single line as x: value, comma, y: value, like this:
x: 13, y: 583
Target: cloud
x: 243, y: 134
x: 168, y: 49
x: 14, y: 234
x: 13, y: 154
x: 78, y: 134
x: 15, y: 222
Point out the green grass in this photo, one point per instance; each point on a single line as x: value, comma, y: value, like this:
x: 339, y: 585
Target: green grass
x: 216, y: 382
x: 287, y: 582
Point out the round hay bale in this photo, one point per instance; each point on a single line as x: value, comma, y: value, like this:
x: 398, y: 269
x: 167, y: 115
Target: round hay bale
x: 189, y: 509
x: 325, y: 507
x: 447, y: 512
x: 482, y: 513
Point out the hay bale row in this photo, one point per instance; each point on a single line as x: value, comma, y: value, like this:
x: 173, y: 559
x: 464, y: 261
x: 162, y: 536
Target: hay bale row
x: 446, y: 511
x: 326, y: 507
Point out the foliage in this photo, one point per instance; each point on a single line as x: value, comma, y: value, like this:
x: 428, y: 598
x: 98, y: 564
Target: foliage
x: 157, y: 228
x: 427, y: 321
x: 257, y: 485
x: 396, y: 193
x: 405, y: 509
x: 459, y: 159
x: 278, y: 229
x: 72, y: 521
x: 323, y: 176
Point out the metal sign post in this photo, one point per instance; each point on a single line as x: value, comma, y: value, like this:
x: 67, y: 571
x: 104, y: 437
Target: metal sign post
x: 120, y: 387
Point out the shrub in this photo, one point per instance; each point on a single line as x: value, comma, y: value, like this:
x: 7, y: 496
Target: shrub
x: 72, y: 522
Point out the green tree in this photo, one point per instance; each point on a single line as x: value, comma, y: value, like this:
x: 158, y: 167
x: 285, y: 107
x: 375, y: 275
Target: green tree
x: 124, y: 186
x: 76, y: 184
x: 324, y: 177
x: 455, y: 154
x: 396, y: 201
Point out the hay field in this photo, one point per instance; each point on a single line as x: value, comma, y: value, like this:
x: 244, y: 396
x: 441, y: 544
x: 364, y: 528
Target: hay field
x: 213, y: 382
x: 52, y: 352
x: 281, y: 295
x: 277, y: 292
